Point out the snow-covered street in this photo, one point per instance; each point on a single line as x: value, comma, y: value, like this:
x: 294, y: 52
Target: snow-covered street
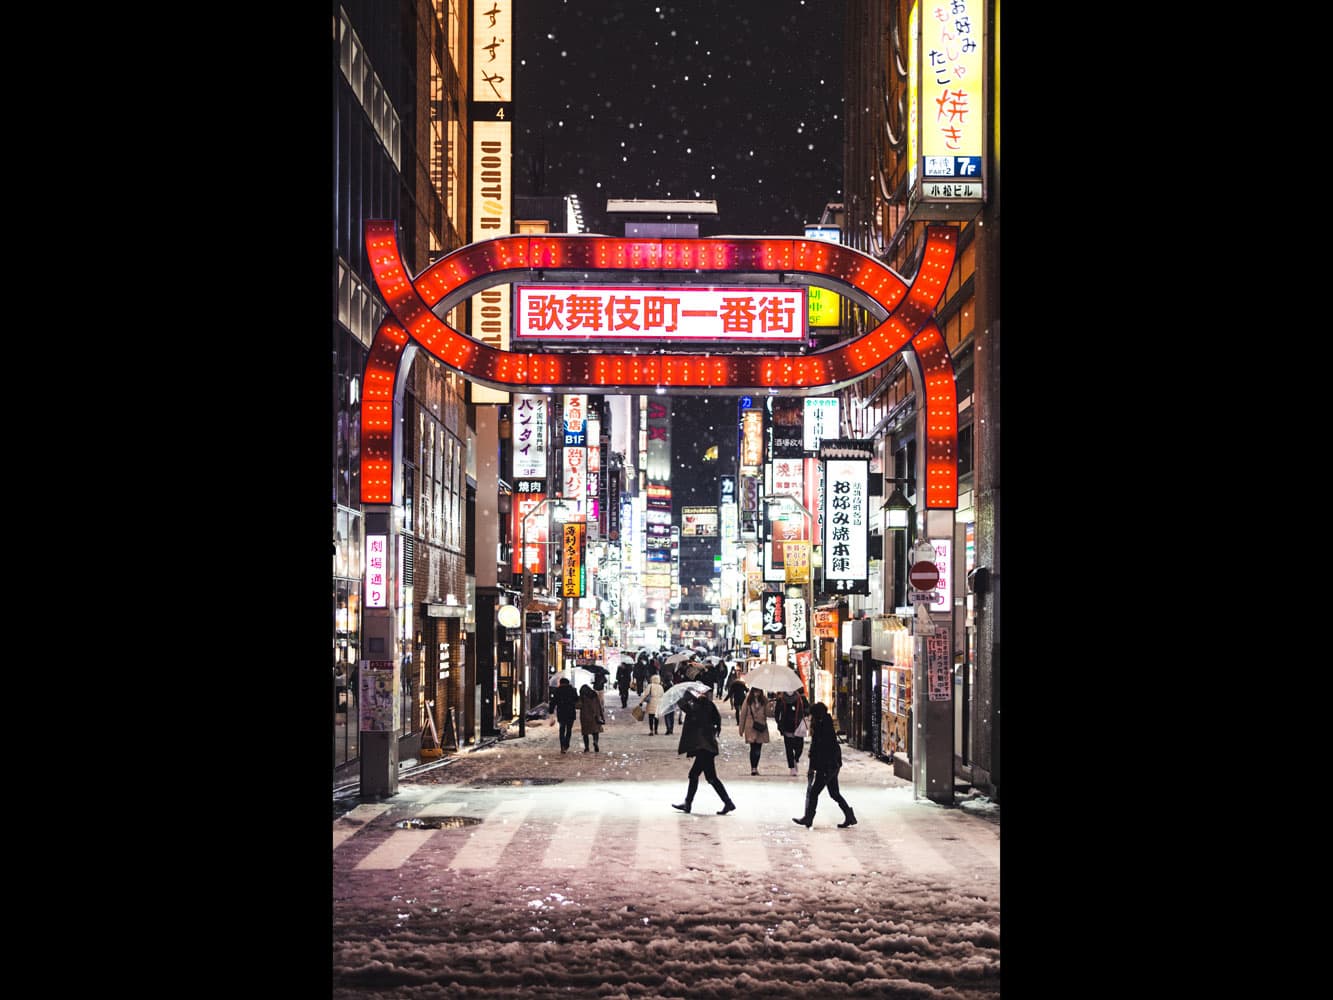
x: 519, y: 870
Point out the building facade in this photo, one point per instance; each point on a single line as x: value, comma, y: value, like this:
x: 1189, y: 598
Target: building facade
x: 399, y: 152
x: 881, y: 220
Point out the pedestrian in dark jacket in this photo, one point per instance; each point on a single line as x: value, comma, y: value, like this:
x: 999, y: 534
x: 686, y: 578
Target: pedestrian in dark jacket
x: 599, y: 676
x: 825, y: 762
x: 736, y: 695
x: 698, y: 739
x: 791, y: 710
x: 591, y: 717
x: 623, y: 676
x: 564, y: 703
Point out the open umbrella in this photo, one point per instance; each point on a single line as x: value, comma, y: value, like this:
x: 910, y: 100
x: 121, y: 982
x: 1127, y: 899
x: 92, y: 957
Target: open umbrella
x: 714, y: 660
x: 693, y: 670
x: 578, y: 676
x: 771, y: 677
x: 676, y: 692
x: 678, y: 658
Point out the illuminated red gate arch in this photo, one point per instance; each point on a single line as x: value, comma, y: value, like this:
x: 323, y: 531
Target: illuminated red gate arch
x: 906, y: 308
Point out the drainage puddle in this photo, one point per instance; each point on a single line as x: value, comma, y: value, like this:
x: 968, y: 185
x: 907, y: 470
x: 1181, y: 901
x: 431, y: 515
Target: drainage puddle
x: 438, y: 823
x: 516, y: 781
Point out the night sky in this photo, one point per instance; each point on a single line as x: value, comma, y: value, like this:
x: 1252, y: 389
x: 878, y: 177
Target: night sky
x: 739, y: 102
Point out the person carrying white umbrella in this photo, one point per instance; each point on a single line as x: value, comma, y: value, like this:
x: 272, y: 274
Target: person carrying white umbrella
x: 753, y: 724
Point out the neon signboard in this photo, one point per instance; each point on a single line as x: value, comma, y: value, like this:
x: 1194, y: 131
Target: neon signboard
x: 657, y: 313
x: 906, y: 308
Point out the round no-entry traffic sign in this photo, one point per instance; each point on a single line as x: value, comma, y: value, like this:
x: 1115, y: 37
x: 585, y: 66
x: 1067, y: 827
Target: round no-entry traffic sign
x: 924, y: 575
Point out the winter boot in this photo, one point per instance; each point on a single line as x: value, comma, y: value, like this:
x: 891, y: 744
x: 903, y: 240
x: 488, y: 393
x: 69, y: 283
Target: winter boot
x: 728, y: 807
x: 805, y: 821
x: 849, y: 820
x: 682, y: 806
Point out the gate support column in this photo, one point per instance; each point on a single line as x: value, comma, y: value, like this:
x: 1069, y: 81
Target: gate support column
x: 380, y: 722
x: 932, y: 744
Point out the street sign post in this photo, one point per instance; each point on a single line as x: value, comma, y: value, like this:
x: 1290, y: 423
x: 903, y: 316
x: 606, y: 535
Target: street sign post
x: 924, y: 575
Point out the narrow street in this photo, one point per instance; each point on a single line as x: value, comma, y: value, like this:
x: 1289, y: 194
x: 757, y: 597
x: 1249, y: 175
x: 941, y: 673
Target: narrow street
x: 520, y: 869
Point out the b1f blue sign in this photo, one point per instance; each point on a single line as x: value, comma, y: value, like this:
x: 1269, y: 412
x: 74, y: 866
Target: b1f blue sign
x: 953, y: 166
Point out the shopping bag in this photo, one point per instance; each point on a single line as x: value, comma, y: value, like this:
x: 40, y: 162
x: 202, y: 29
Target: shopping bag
x: 637, y: 712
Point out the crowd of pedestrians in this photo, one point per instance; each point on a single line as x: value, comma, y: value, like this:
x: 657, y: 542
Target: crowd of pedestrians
x: 651, y: 676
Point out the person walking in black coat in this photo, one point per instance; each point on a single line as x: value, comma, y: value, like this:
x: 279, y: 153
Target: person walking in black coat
x: 591, y: 717
x: 698, y: 739
x: 825, y: 762
x: 736, y: 695
x: 623, y: 675
x: 791, y: 711
x: 565, y: 704
x: 599, y: 676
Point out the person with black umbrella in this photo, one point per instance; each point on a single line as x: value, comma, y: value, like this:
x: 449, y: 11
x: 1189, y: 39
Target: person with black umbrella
x: 599, y: 676
x: 698, y: 739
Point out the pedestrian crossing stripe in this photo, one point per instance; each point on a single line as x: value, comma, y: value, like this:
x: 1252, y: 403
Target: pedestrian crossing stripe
x: 737, y: 842
x: 354, y: 820
x: 487, y: 842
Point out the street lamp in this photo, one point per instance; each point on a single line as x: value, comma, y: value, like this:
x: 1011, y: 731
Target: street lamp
x: 523, y: 625
x: 897, y: 510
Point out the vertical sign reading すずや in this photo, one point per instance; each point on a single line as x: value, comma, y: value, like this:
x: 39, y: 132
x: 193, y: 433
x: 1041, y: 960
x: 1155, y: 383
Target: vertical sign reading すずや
x: 492, y: 137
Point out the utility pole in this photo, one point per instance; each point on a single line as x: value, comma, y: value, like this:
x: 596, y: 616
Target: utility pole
x: 807, y: 588
x: 527, y: 599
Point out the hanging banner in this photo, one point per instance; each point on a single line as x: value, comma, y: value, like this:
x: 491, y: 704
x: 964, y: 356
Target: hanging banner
x: 774, y: 618
x: 574, y: 463
x: 796, y: 563
x: 529, y: 436
x: 788, y: 434
x: 492, y: 201
x: 946, y: 133
x: 493, y: 51
x: 659, y: 441
x: 572, y: 574
x: 821, y: 421
x: 528, y: 531
x: 796, y: 621
x: 847, y: 525
x: 752, y: 439
x: 377, y: 571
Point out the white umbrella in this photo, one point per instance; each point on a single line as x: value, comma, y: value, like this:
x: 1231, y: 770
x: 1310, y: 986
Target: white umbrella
x: 578, y: 676
x: 713, y: 659
x: 679, y: 658
x: 771, y: 677
x: 676, y: 692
